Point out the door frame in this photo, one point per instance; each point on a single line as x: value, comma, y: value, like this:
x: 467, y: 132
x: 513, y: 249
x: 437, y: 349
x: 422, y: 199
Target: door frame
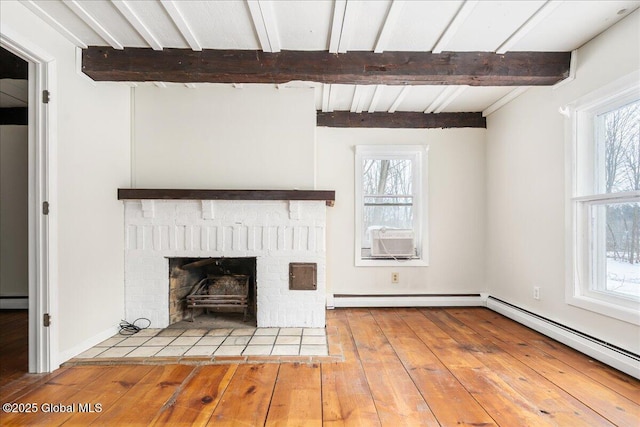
x: 43, y: 341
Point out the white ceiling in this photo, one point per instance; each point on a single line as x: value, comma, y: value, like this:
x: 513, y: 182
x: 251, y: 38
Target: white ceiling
x: 341, y: 26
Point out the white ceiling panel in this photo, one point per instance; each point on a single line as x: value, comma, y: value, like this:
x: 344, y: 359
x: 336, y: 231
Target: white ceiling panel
x: 421, y: 24
x: 113, y: 22
x: 341, y: 97
x: 365, y: 24
x: 588, y: 18
x: 155, y: 18
x: 490, y: 24
x: 65, y: 17
x: 223, y: 24
x: 419, y: 97
x: 304, y: 26
x: 476, y: 98
x: 13, y: 93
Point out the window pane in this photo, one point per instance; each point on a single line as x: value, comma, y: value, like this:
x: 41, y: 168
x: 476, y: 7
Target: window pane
x: 387, y: 177
x: 618, y: 132
x: 616, y: 252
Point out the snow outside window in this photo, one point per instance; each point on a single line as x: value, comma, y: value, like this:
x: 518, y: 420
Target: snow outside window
x: 606, y: 205
x: 389, y: 205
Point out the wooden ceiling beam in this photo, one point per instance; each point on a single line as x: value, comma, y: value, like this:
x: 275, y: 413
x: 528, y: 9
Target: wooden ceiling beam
x: 345, y: 119
x: 399, y: 68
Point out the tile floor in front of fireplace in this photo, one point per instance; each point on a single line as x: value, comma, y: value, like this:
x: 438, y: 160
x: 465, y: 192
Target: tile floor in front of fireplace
x: 150, y: 343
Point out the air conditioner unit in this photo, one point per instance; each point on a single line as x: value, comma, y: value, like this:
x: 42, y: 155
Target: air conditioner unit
x: 388, y: 243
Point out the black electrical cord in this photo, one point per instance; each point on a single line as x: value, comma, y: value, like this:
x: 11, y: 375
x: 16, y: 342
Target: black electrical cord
x: 127, y: 328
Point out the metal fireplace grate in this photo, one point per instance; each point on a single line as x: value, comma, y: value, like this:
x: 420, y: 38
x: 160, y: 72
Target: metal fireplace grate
x: 229, y: 292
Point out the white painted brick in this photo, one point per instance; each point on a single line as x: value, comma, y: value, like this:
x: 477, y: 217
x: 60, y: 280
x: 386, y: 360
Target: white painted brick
x: 240, y: 228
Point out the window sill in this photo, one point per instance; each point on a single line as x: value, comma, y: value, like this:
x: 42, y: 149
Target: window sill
x: 605, y: 308
x: 390, y: 262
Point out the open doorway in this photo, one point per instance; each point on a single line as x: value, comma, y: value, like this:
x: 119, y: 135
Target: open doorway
x: 40, y: 191
x: 14, y: 205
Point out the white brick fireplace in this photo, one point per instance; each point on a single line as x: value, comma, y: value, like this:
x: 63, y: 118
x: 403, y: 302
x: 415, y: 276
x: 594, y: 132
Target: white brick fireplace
x: 275, y: 232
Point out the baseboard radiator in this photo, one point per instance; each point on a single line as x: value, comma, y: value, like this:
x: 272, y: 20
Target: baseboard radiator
x: 406, y: 300
x: 607, y: 353
x: 14, y: 302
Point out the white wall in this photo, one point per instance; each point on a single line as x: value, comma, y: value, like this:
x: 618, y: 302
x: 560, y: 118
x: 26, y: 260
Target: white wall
x: 92, y: 160
x: 257, y: 137
x: 526, y: 189
x: 456, y: 212
x: 14, y: 266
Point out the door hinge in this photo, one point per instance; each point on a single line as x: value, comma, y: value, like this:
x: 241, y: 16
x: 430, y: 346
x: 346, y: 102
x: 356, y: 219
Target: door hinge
x: 46, y: 321
x: 46, y: 96
x: 45, y: 208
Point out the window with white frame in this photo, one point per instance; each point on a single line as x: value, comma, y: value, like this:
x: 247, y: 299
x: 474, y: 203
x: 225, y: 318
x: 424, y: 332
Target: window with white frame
x: 390, y: 216
x: 606, y: 203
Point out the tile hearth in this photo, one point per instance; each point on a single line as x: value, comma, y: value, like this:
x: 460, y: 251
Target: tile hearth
x: 217, y: 344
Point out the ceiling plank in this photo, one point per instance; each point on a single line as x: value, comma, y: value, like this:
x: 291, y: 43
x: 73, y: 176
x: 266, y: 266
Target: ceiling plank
x: 396, y: 103
x: 83, y: 14
x: 389, y: 25
x: 264, y: 23
x: 182, y: 25
x: 449, y: 99
x: 376, y: 98
x: 401, y: 120
x: 504, y: 100
x: 54, y: 23
x: 544, y: 11
x: 339, y: 7
x: 356, y: 101
x: 350, y: 18
x: 462, y: 15
x: 251, y: 66
x: 326, y: 95
x: 135, y: 21
x: 444, y: 94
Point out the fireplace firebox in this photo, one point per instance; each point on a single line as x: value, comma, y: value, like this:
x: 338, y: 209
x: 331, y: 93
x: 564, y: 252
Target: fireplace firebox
x: 212, y: 286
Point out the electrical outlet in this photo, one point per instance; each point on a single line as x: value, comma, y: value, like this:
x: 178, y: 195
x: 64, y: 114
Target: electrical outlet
x: 395, y: 277
x: 536, y: 292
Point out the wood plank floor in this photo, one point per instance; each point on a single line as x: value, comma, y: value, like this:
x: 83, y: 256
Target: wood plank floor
x: 402, y: 367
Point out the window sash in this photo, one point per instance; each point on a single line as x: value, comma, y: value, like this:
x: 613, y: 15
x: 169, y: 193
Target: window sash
x: 410, y: 203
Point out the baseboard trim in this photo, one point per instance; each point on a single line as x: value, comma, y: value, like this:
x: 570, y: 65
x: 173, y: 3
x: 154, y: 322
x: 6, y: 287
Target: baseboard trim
x: 408, y: 300
x: 14, y: 303
x: 63, y: 356
x: 609, y: 354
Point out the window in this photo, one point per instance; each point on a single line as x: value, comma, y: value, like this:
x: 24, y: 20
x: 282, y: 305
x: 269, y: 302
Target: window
x: 390, y: 215
x: 605, y: 203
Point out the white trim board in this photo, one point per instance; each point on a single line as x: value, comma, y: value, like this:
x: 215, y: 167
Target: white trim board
x: 610, y: 355
x: 408, y: 300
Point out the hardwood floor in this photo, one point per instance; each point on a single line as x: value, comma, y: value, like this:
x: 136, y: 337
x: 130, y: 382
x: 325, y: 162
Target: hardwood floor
x: 402, y: 367
x: 14, y: 342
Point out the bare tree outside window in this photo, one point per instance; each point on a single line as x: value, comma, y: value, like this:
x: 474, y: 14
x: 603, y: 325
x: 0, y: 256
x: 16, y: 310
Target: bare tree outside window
x: 620, y: 130
x: 388, y: 199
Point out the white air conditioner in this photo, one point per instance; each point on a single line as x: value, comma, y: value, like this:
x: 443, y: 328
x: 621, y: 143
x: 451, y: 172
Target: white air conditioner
x: 386, y: 243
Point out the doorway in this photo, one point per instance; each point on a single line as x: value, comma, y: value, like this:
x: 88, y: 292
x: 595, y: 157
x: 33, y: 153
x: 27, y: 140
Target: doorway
x: 39, y: 191
x: 14, y: 205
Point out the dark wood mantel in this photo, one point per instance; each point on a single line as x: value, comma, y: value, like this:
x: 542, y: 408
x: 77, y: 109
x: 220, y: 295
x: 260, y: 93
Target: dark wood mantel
x: 180, y: 194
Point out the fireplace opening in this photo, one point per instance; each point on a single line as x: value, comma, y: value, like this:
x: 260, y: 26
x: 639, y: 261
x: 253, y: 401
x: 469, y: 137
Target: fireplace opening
x: 205, y: 292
